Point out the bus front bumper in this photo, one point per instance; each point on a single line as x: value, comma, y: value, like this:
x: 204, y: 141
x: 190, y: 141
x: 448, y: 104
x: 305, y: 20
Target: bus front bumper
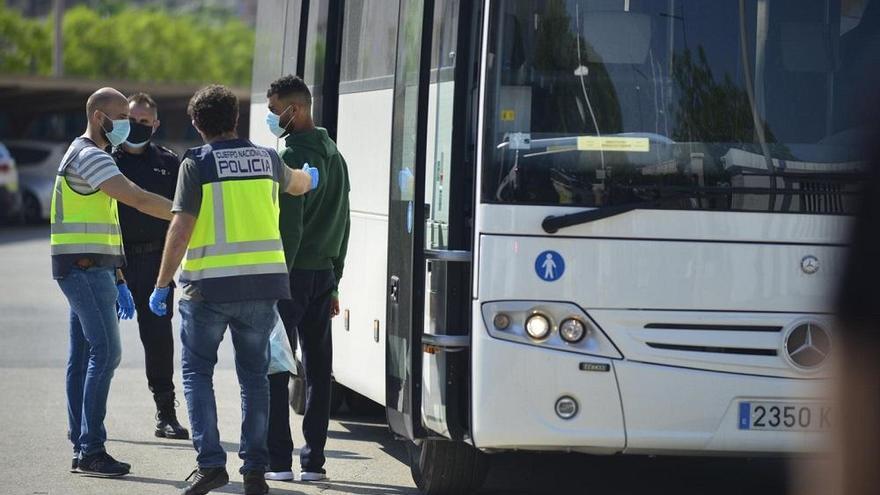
x: 676, y: 410
x: 623, y: 406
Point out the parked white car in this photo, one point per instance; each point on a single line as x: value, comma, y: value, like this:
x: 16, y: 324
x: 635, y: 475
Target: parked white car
x: 10, y: 199
x: 37, y: 165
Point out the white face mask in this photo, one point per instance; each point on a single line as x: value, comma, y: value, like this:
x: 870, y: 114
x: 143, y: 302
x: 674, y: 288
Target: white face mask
x: 274, y: 122
x: 119, y: 132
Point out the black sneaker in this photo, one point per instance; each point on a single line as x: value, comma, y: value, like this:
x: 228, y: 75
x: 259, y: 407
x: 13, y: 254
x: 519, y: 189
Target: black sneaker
x: 255, y: 483
x: 74, y: 464
x: 205, y: 479
x: 103, y: 465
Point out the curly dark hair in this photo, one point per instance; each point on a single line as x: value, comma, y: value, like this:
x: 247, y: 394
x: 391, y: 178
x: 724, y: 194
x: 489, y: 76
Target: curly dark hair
x: 290, y: 85
x: 214, y: 109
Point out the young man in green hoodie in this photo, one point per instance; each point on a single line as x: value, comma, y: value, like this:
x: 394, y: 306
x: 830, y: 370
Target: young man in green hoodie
x: 314, y: 230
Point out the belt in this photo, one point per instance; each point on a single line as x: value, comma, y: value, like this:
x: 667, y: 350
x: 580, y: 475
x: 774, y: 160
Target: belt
x: 84, y: 263
x: 144, y: 247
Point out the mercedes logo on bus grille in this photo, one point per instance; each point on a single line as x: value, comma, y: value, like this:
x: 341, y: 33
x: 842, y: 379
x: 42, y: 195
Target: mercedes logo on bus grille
x: 807, y: 346
x: 810, y: 264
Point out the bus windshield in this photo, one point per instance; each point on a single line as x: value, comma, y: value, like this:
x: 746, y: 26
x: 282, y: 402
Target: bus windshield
x: 746, y: 105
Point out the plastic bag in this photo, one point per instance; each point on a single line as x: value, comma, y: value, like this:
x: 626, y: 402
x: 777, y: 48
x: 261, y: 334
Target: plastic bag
x: 281, y: 356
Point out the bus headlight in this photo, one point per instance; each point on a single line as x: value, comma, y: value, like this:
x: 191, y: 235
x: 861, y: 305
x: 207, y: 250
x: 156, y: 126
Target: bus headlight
x: 501, y: 321
x: 572, y: 330
x: 549, y: 325
x: 538, y: 326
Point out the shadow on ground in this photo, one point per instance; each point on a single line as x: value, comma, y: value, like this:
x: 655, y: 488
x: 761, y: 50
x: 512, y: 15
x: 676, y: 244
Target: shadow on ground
x: 522, y: 474
x: 230, y: 448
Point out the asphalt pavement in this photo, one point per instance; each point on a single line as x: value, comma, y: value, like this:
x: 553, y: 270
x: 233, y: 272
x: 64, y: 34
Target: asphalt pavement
x: 363, y: 457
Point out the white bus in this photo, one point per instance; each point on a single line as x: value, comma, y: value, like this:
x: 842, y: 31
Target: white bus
x: 599, y: 226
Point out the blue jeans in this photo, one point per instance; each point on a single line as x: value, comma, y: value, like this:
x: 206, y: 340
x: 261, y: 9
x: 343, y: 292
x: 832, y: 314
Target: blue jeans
x: 95, y: 352
x: 202, y: 329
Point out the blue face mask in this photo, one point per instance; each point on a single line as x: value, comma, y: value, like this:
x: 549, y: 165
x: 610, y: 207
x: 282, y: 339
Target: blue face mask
x: 274, y: 123
x: 119, y: 132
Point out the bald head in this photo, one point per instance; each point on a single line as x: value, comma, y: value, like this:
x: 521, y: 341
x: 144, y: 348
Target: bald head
x: 109, y: 101
x: 105, y: 105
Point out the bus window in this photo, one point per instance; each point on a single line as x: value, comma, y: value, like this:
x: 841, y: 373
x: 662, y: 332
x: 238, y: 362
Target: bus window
x: 268, y: 48
x: 368, y: 38
x: 440, y: 109
x: 727, y: 105
x: 315, y: 55
x: 292, y: 63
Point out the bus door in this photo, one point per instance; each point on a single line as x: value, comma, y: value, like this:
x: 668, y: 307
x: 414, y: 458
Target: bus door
x: 429, y: 257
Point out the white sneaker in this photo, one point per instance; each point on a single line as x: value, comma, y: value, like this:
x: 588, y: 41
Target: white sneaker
x: 279, y: 475
x: 307, y: 476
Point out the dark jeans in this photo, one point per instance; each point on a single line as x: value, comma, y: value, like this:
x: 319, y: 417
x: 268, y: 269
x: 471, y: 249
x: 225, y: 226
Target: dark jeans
x: 203, y: 326
x: 306, y: 315
x: 156, y: 333
x: 94, y: 354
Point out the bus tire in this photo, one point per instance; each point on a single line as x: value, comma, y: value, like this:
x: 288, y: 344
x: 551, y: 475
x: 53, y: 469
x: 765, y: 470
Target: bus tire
x: 441, y: 467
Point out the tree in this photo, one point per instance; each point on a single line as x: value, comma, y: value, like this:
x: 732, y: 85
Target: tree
x: 129, y: 43
x: 710, y: 110
x: 152, y: 45
x: 25, y: 44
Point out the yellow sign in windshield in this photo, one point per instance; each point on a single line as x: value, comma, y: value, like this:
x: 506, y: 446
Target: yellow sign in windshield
x: 633, y: 144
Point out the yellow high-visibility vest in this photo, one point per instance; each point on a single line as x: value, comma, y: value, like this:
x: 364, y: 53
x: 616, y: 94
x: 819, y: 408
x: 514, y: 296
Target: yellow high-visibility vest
x: 84, y: 225
x: 235, y: 251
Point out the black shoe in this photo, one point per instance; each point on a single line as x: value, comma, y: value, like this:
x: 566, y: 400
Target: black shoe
x: 74, y: 464
x: 103, y: 465
x: 167, y: 425
x: 255, y: 483
x: 205, y: 479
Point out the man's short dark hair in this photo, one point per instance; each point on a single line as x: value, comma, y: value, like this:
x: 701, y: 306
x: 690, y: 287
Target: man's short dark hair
x: 288, y: 86
x: 214, y: 109
x: 145, y: 100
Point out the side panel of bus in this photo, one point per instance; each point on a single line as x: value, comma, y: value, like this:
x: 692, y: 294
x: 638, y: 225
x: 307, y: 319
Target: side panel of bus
x: 359, y: 343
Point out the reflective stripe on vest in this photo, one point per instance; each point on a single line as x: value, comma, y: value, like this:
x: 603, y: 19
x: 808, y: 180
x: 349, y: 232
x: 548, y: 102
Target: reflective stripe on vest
x: 84, y: 223
x: 257, y: 249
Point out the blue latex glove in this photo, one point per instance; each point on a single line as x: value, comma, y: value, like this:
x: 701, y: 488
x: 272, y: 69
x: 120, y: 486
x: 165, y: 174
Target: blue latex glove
x: 124, y: 302
x: 157, y: 300
x: 313, y: 172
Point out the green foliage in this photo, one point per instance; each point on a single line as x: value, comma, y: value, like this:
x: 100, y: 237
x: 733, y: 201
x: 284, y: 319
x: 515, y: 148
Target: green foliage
x: 137, y: 44
x: 25, y: 44
x: 556, y: 55
x: 703, y: 101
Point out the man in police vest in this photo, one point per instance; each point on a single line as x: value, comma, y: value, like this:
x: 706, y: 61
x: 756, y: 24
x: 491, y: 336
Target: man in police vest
x: 154, y: 168
x: 226, y: 223
x: 87, y: 255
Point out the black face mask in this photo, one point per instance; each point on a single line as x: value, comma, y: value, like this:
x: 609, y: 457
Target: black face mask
x: 140, y: 135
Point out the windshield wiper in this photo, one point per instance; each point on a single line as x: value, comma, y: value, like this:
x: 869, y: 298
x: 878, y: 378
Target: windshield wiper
x: 553, y: 223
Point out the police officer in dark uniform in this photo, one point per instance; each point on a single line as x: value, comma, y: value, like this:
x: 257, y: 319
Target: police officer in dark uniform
x: 153, y: 168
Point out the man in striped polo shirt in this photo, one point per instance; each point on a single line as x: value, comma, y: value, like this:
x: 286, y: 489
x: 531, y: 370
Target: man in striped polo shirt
x: 86, y: 261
